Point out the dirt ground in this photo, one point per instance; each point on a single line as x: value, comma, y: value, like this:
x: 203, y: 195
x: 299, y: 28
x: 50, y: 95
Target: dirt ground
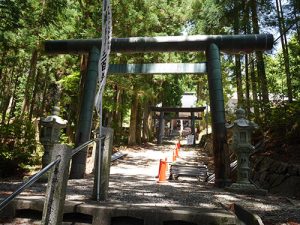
x: 133, y: 181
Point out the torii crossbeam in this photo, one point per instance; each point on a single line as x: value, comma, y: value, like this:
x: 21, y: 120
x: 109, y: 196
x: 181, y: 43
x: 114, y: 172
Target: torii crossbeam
x: 226, y: 43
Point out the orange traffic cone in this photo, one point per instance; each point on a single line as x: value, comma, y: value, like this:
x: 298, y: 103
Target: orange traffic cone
x: 159, y: 167
x: 177, y: 151
x: 162, y: 171
x: 166, y: 160
x: 174, y: 155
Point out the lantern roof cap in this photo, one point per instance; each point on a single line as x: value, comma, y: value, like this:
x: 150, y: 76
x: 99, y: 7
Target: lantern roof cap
x: 55, y: 118
x: 241, y: 120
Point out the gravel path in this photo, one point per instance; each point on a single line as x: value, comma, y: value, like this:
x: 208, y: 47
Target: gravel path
x: 133, y: 181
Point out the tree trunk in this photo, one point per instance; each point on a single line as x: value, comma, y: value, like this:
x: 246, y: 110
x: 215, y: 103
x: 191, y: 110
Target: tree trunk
x: 7, y: 94
x: 147, y: 122
x: 4, y: 53
x: 3, y: 99
x: 5, y: 104
x: 247, y: 29
x: 30, y: 79
x: 11, y: 110
x: 254, y: 90
x: 237, y: 69
x: 239, y: 83
x: 117, y: 125
x: 41, y: 110
x: 35, y: 90
x: 260, y: 62
x: 284, y: 46
x: 133, y: 122
x: 247, y: 82
x: 295, y: 14
x: 139, y: 124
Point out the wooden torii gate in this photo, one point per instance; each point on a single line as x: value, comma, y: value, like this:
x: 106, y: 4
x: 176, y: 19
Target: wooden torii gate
x: 211, y: 44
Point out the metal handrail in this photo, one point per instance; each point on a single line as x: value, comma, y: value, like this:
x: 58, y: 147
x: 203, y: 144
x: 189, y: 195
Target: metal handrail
x: 28, y: 183
x: 35, y: 177
x: 79, y: 148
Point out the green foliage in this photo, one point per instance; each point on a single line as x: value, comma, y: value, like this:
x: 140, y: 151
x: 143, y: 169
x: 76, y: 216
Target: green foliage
x: 206, y: 17
x: 18, y: 143
x: 276, y: 73
x: 172, y: 91
x: 284, y: 122
x: 294, y: 53
x: 10, y: 15
x: 70, y: 86
x: 149, y: 17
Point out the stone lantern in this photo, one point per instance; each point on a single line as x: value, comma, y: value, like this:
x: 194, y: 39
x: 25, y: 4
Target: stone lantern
x: 242, y: 147
x: 50, y: 133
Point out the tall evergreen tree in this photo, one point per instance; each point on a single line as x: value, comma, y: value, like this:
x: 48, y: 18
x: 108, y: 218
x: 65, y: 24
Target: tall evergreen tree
x: 284, y: 45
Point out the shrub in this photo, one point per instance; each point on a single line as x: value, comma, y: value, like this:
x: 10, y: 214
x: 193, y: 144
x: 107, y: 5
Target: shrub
x: 284, y: 122
x: 17, y: 144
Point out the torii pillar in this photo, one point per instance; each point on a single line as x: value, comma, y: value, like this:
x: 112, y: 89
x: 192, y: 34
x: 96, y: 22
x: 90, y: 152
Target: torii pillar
x: 221, y: 155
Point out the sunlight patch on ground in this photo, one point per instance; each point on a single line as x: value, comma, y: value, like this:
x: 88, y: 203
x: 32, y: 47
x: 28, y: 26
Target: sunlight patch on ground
x: 150, y: 194
x: 252, y: 202
x: 168, y: 204
x: 265, y: 207
x: 227, y: 197
x: 76, y: 197
x: 207, y: 205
